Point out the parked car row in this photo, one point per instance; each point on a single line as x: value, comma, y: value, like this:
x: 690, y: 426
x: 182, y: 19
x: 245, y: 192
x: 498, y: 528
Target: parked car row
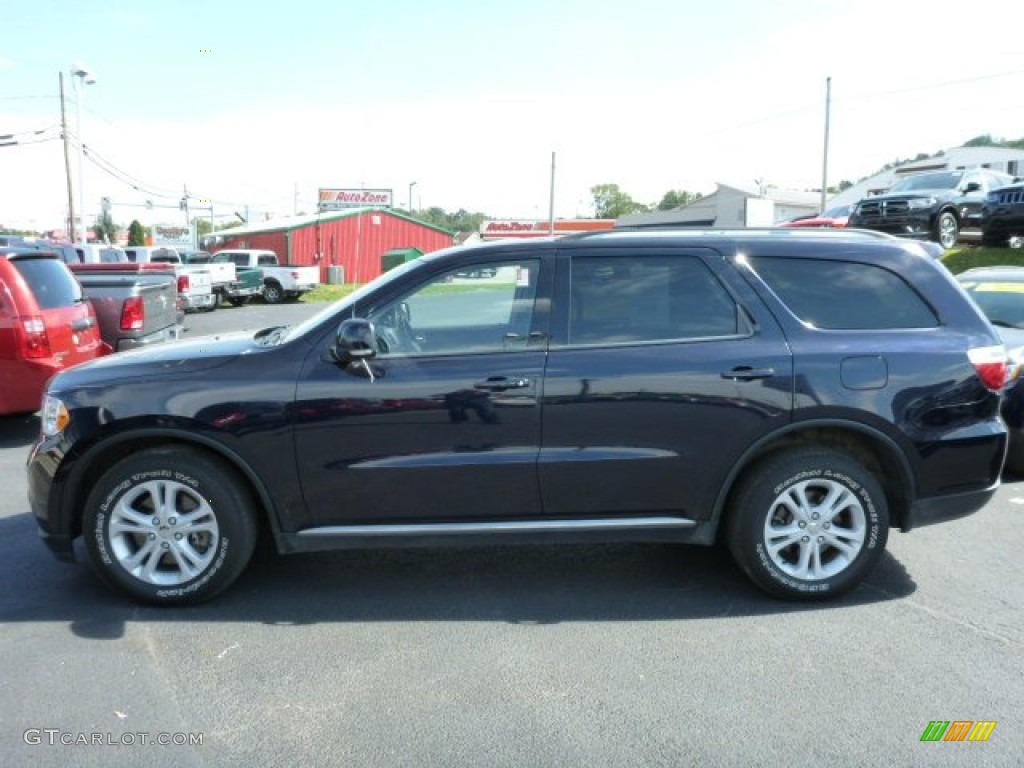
x: 946, y: 206
x: 61, y: 304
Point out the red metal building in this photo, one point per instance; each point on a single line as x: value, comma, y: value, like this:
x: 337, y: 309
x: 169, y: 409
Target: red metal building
x: 354, y: 239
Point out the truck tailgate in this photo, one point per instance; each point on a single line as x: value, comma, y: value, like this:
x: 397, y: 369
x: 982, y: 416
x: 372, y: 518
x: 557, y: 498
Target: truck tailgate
x: 108, y: 294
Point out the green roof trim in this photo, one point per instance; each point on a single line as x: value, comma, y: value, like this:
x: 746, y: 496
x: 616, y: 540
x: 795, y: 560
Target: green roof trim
x: 290, y: 223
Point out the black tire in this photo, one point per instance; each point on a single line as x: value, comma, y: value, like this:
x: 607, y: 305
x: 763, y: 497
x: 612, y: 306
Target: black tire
x: 947, y: 229
x: 807, y: 561
x: 166, y: 558
x: 273, y: 293
x: 239, y: 301
x: 994, y: 240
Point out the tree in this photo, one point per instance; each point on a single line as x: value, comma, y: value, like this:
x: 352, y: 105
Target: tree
x: 105, y: 228
x: 460, y: 221
x: 677, y: 198
x: 610, y: 202
x: 136, y: 233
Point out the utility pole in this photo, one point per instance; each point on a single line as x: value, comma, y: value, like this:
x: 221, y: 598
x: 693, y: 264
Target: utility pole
x: 824, y: 162
x: 67, y: 162
x: 188, y: 222
x: 551, y: 200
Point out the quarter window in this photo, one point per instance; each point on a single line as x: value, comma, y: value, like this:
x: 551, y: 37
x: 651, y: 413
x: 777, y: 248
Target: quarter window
x: 648, y: 298
x: 845, y: 295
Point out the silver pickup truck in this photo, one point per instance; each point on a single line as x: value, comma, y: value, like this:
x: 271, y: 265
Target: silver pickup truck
x: 195, y: 284
x: 136, y: 304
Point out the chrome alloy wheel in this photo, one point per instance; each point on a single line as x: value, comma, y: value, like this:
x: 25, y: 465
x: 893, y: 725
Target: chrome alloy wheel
x: 164, y: 533
x: 815, y: 529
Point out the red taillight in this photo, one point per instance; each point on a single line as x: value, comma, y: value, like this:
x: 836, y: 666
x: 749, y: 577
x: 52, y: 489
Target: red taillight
x: 34, y: 342
x: 991, y: 364
x: 183, y: 284
x: 133, y: 314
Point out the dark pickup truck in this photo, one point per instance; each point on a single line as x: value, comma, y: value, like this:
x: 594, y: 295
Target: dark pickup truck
x: 136, y: 304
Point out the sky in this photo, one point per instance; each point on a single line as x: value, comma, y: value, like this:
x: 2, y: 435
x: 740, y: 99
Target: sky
x: 254, y: 106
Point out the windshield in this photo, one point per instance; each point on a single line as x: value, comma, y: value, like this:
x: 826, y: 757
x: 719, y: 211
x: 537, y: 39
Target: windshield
x: 947, y: 180
x: 1000, y: 299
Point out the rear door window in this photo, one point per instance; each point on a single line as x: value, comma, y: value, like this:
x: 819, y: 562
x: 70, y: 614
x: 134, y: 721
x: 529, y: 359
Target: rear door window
x: 845, y: 295
x: 637, y: 298
x: 50, y: 282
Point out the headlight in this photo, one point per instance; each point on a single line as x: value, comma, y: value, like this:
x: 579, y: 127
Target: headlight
x: 992, y: 197
x: 53, y: 416
x: 921, y: 202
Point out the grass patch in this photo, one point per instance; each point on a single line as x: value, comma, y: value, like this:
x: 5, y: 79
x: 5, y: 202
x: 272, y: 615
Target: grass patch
x: 324, y: 293
x: 962, y: 259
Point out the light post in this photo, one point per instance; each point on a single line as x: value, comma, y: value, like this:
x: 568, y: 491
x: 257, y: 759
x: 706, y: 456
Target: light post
x: 82, y: 77
x: 411, y: 185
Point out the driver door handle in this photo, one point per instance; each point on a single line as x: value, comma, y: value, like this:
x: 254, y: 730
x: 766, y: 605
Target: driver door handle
x: 746, y: 373
x: 501, y: 383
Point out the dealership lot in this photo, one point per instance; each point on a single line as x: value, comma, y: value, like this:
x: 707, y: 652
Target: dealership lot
x: 583, y: 655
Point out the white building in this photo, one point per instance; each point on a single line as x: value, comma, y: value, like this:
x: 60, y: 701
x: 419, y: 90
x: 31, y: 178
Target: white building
x: 732, y: 206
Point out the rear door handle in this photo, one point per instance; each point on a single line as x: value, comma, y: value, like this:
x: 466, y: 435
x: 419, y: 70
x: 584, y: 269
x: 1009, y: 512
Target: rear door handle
x: 746, y: 373
x: 501, y: 383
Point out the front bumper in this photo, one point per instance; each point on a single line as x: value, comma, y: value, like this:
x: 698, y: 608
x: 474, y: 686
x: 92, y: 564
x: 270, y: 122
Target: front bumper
x: 911, y: 225
x: 44, y: 483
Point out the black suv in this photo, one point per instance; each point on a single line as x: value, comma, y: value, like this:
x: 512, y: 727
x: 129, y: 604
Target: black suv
x: 791, y: 393
x: 935, y: 206
x: 1002, y: 216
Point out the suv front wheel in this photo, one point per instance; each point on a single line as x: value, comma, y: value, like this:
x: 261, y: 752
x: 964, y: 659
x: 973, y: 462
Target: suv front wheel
x: 947, y: 229
x: 808, y: 525
x: 169, y: 526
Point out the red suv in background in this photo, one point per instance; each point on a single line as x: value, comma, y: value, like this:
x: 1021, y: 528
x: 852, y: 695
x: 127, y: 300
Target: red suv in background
x: 46, y: 325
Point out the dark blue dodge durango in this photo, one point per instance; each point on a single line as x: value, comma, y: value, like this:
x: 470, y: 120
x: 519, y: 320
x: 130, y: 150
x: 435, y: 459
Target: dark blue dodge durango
x: 791, y: 393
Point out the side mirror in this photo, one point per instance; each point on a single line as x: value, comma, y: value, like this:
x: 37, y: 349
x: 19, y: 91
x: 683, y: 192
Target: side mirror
x: 356, y: 341
x: 972, y: 186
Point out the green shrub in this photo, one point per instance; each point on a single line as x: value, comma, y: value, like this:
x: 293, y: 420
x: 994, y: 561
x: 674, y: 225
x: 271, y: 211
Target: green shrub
x: 962, y: 259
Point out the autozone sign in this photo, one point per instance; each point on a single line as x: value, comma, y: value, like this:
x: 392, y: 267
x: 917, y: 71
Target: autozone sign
x: 335, y: 199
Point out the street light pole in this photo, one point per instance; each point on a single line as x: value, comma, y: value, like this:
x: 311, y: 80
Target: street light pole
x: 411, y: 185
x: 72, y: 232
x: 82, y: 77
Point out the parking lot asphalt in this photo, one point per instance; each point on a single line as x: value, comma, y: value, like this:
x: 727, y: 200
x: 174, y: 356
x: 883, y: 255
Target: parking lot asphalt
x: 627, y: 655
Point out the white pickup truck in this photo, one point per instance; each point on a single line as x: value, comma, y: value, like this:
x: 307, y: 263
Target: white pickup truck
x: 195, y: 283
x: 281, y: 282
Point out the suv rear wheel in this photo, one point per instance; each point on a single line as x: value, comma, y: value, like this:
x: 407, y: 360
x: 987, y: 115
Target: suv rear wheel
x: 808, y: 524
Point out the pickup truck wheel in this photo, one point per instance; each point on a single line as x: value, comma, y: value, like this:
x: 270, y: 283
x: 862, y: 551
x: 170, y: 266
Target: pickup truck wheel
x: 808, y: 525
x: 993, y: 240
x: 241, y: 301
x: 273, y: 293
x: 169, y: 526
x: 947, y: 229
